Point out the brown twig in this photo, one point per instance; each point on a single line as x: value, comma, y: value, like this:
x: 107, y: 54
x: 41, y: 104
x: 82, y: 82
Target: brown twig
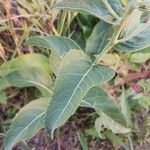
x: 9, y: 17
x: 139, y: 75
x: 17, y: 17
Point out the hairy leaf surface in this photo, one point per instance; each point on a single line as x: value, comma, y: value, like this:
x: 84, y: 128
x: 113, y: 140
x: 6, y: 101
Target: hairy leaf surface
x: 75, y: 78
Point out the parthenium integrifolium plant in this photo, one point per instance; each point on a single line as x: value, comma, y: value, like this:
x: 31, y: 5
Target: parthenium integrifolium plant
x: 79, y: 78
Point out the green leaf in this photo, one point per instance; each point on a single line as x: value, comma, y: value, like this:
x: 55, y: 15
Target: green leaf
x: 99, y: 38
x: 136, y: 34
x: 59, y: 44
x: 93, y: 7
x: 30, y: 77
x: 114, y: 124
x: 110, y: 115
x: 145, y: 102
x: 91, y: 132
x: 4, y: 84
x: 27, y: 71
x: 79, y: 38
x: 27, y: 60
x: 76, y: 76
x: 55, y: 61
x: 124, y: 2
x: 125, y: 108
x: 83, y: 140
x: 27, y: 122
x: 114, y: 138
x: 3, y: 98
x: 139, y: 57
x: 98, y: 126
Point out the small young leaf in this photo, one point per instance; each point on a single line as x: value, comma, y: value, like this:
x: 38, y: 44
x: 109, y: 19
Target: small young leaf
x: 28, y: 121
x: 140, y: 57
x: 76, y: 77
x: 136, y: 34
x: 93, y: 7
x: 99, y: 38
x: 112, y: 124
x: 114, y: 138
x: 110, y: 115
x: 59, y: 44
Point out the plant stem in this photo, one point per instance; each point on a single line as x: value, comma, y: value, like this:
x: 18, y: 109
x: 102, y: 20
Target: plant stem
x: 62, y: 21
x: 110, y: 45
x: 130, y: 141
x: 112, y: 12
x: 114, y: 40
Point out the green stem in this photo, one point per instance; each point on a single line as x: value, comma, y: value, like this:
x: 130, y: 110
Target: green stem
x: 114, y: 40
x: 130, y: 141
x: 110, y: 45
x: 62, y: 21
x: 112, y: 12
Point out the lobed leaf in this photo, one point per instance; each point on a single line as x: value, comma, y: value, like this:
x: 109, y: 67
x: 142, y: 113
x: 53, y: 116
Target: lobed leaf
x: 77, y: 75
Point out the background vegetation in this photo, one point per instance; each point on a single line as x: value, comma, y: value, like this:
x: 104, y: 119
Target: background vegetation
x: 21, y: 19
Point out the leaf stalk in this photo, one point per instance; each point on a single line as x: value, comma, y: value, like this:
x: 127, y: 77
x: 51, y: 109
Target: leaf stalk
x: 114, y: 40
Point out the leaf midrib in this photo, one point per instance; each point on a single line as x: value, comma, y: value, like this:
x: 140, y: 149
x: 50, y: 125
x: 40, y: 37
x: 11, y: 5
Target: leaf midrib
x: 42, y: 114
x: 135, y: 33
x: 74, y: 92
x: 38, y: 84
